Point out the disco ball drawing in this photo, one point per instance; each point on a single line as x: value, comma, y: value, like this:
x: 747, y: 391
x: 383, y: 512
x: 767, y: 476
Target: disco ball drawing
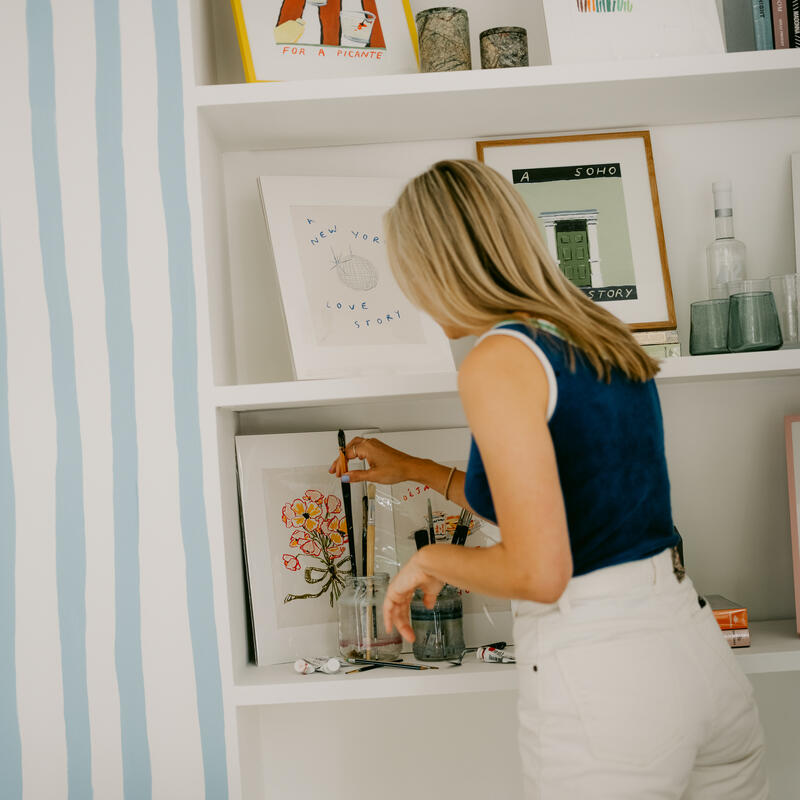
x: 356, y: 272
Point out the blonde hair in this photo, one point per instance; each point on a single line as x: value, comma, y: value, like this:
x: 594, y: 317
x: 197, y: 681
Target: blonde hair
x: 465, y: 248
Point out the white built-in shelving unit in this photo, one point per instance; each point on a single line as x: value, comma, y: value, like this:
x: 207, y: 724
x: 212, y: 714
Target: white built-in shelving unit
x: 734, y: 115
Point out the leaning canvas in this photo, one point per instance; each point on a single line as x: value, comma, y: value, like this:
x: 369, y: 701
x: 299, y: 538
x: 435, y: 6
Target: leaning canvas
x: 610, y: 30
x: 295, y: 541
x: 345, y: 314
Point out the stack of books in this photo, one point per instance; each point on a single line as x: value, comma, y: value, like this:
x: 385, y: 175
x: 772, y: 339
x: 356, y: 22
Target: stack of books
x: 761, y: 24
x: 660, y: 344
x: 731, y: 618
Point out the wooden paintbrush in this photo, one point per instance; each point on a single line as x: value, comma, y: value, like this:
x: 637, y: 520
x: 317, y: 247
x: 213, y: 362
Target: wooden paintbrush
x: 371, y: 529
x: 348, y: 505
x: 372, y: 621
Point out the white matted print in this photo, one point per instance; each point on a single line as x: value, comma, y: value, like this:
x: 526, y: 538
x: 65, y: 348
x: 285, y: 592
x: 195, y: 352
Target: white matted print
x: 595, y: 199
x: 580, y: 31
x: 486, y: 619
x: 288, y: 39
x: 345, y: 314
x: 295, y: 541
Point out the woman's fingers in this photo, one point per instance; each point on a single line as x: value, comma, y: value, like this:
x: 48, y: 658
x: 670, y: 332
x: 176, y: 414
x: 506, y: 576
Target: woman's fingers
x: 357, y: 475
x: 396, y: 615
x: 357, y: 447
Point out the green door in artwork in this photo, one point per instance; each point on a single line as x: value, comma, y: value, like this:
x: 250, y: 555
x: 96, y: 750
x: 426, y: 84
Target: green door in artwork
x: 572, y: 246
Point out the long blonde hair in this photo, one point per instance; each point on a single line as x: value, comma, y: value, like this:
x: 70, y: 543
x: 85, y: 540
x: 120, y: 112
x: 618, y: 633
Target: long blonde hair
x: 465, y: 248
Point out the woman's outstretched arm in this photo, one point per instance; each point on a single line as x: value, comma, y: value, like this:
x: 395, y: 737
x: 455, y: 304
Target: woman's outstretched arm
x: 505, y: 392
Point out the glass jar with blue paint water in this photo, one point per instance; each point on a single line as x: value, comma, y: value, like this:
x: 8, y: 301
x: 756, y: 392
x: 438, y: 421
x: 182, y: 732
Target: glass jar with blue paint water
x: 438, y: 631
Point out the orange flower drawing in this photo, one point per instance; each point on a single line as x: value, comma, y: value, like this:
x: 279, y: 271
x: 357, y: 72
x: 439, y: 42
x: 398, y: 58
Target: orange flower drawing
x: 305, y: 512
x: 291, y: 562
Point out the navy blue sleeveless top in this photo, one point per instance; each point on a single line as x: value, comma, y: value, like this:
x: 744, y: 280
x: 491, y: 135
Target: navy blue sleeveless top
x: 609, y: 445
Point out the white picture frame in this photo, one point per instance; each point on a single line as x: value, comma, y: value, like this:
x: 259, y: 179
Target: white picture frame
x: 344, y: 312
x: 581, y: 31
x: 301, y: 39
x: 271, y: 467
x: 606, y: 183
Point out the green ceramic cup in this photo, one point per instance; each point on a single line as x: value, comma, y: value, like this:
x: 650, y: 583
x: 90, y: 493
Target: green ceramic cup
x: 753, y: 322
x: 709, y: 329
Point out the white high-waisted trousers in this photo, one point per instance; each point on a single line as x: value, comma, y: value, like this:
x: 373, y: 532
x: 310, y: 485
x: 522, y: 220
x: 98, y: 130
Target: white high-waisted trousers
x: 628, y: 691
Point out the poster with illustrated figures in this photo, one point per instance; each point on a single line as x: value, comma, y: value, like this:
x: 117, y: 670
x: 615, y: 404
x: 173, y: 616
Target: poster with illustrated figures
x: 345, y: 314
x: 286, y: 39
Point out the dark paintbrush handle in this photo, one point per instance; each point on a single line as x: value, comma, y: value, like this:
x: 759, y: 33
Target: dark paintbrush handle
x: 348, y: 516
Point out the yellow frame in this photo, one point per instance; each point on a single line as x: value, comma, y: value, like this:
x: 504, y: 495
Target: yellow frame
x: 247, y: 55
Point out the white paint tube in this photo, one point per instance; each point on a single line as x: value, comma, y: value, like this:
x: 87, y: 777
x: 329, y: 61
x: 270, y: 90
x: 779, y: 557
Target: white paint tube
x: 305, y: 666
x: 493, y: 655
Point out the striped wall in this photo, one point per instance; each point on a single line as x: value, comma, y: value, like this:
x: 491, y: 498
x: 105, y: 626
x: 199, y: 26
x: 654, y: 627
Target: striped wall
x: 109, y: 672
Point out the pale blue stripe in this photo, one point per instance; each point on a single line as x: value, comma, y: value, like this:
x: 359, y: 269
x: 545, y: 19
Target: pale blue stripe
x: 172, y: 156
x: 10, y: 747
x: 69, y: 521
x: 136, y: 770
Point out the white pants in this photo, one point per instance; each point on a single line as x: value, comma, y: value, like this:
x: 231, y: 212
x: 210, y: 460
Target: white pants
x: 628, y: 691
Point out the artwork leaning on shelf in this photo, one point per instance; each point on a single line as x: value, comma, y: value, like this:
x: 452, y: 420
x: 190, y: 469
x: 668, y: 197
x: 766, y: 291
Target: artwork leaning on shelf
x: 595, y: 199
x: 291, y: 39
x: 580, y: 31
x: 345, y: 314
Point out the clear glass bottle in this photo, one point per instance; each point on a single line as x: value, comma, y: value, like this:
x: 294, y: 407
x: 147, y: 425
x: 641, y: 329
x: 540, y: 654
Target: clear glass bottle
x: 726, y: 254
x: 438, y: 631
x: 362, y: 633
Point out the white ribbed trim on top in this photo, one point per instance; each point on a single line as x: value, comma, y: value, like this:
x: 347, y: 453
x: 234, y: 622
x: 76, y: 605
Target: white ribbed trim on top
x: 539, y: 353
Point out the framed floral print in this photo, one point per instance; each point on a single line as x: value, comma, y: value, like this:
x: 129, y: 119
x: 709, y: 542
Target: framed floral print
x: 295, y: 541
x: 595, y: 199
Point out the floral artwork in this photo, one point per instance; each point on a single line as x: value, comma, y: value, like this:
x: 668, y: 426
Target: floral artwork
x: 318, y: 544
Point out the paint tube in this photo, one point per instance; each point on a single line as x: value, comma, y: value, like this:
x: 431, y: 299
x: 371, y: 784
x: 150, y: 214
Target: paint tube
x: 493, y: 655
x: 305, y: 666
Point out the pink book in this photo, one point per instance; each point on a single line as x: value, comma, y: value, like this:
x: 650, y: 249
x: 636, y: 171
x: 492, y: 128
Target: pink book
x: 793, y: 469
x: 780, y: 24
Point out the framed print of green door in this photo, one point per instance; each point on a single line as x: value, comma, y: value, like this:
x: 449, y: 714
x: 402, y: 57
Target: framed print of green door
x: 595, y: 202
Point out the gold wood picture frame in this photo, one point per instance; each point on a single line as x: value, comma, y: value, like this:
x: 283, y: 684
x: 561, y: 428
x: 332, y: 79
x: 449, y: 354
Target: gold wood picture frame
x: 595, y: 198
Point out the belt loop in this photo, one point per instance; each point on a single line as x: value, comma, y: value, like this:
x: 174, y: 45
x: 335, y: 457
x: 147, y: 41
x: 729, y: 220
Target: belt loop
x: 564, y: 605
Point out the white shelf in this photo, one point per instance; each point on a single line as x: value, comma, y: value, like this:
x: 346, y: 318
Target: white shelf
x: 280, y: 684
x: 482, y: 103
x: 730, y: 366
x: 333, y: 392
x: 342, y: 391
x: 775, y: 648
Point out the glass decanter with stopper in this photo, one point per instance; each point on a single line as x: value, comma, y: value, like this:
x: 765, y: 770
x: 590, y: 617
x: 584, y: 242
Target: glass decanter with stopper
x: 726, y: 254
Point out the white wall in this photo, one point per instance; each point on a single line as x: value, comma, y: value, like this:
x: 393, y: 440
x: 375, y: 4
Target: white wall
x: 109, y: 674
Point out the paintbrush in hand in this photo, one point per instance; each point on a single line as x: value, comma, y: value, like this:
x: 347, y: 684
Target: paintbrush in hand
x: 348, y: 505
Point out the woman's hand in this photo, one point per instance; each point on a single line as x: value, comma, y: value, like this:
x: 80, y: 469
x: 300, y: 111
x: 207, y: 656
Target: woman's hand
x: 386, y: 465
x: 401, y: 590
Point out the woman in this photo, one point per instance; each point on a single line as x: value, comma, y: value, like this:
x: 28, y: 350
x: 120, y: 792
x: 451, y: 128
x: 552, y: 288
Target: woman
x: 626, y: 687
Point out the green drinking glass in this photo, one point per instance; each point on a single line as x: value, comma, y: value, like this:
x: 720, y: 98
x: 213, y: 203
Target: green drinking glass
x: 709, y: 330
x: 753, y: 322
